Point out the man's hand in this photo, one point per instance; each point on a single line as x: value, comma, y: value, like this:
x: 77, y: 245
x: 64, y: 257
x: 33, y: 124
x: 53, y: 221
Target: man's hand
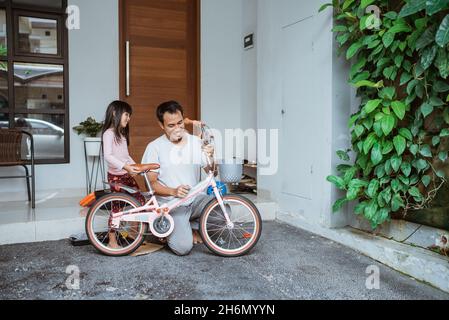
x: 209, y: 150
x: 182, y: 191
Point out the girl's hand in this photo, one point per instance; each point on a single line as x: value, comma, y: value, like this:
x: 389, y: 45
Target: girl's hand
x: 131, y: 170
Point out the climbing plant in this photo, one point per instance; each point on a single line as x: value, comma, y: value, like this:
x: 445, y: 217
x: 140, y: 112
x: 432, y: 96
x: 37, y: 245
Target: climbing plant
x: 400, y: 132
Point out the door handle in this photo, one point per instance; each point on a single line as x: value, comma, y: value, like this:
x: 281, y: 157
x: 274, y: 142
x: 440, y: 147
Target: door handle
x: 128, y: 71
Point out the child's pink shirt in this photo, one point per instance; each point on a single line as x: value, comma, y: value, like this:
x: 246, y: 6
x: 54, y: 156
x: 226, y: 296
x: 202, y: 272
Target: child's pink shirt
x: 116, y: 154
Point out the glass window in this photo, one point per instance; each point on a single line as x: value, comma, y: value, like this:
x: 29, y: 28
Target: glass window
x: 3, y: 39
x: 4, y: 121
x: 40, y: 3
x: 47, y: 131
x: 39, y: 86
x: 37, y: 35
x: 3, y: 85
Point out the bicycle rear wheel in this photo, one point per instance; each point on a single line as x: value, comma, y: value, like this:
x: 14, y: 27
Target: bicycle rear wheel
x: 231, y: 241
x: 127, y: 238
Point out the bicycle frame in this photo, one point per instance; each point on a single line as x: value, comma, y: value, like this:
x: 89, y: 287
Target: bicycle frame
x: 152, y: 211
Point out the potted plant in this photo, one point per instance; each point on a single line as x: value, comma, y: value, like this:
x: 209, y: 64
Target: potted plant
x: 90, y: 128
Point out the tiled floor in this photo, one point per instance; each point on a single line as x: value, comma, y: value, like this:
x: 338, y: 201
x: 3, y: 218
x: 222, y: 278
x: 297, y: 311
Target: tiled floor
x: 59, y: 218
x: 53, y: 219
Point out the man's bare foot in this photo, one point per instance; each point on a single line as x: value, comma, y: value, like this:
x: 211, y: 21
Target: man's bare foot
x: 197, y: 238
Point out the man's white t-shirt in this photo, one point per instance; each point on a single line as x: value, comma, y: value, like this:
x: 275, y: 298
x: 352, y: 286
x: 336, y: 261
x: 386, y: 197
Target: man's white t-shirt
x: 179, y: 165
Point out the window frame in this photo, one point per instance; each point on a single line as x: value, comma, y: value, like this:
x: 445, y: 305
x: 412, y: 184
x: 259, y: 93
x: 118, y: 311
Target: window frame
x: 13, y: 11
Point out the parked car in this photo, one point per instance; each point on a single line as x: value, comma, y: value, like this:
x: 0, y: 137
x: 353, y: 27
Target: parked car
x: 48, y: 137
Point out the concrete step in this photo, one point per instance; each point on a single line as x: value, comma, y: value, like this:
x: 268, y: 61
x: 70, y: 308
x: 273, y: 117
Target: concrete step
x: 57, y: 219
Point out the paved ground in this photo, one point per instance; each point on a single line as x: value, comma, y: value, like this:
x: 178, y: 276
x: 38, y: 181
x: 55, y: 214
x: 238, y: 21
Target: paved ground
x: 287, y: 264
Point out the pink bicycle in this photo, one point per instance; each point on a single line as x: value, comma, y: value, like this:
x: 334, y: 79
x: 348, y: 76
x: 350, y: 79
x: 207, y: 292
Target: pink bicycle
x: 230, y: 225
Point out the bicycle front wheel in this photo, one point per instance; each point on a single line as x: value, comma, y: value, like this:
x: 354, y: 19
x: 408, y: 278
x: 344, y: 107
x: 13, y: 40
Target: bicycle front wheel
x: 232, y: 240
x: 114, y: 242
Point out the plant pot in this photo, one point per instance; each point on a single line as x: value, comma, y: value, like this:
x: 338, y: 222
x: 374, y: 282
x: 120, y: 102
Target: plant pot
x: 93, y: 146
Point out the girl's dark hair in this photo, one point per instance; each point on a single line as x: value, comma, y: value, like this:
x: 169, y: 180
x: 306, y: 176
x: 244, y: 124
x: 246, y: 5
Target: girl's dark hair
x: 113, y: 119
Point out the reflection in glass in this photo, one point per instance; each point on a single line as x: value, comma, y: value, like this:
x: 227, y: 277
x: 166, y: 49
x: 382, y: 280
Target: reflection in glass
x: 3, y: 85
x: 40, y: 3
x: 37, y: 35
x: 4, y: 121
x: 47, y: 131
x: 39, y: 86
x: 3, y: 39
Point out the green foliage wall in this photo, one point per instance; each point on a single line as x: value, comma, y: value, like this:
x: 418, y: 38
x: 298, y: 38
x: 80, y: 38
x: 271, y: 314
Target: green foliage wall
x: 400, y: 68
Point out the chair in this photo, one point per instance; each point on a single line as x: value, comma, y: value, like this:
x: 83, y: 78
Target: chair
x: 11, y: 155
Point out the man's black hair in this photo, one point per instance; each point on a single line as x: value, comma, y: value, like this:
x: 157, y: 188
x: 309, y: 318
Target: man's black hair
x: 171, y: 107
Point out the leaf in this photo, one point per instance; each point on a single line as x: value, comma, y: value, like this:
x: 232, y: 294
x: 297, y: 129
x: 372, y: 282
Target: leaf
x: 442, y: 36
x: 366, y: 3
x: 406, y: 169
x: 353, y: 49
x: 426, y: 109
x: 436, y: 140
x: 436, y: 102
x: 426, y: 180
x: 426, y: 38
x: 358, y: 130
x: 388, y: 93
x: 339, y: 204
x: 399, y: 109
x: 372, y: 105
x: 397, y: 202
x: 388, y: 124
x: 373, y: 187
x: 442, y: 63
x: 413, y: 6
x: 324, y: 6
x: 443, y: 156
x: 415, y: 193
x: 337, y: 181
x: 400, y: 144
x: 357, y: 183
x: 428, y: 56
x: 440, y: 86
x: 360, y: 208
x: 405, y: 77
x: 347, y: 4
x: 396, y: 163
x: 435, y: 6
x: 425, y: 151
x: 444, y: 133
x: 369, y: 142
x: 343, y: 155
x: 352, y: 194
x: 376, y: 154
x: 388, y: 39
x: 387, y: 147
x: 406, y: 133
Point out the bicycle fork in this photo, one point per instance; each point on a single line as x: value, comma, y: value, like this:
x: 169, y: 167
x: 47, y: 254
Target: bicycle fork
x: 230, y: 224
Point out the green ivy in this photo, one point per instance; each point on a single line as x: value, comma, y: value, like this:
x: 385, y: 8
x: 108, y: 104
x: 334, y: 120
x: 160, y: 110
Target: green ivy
x: 400, y: 67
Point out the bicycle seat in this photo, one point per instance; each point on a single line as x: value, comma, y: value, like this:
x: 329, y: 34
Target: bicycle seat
x: 145, y: 168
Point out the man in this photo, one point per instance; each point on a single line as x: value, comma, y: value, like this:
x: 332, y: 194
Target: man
x: 180, y: 157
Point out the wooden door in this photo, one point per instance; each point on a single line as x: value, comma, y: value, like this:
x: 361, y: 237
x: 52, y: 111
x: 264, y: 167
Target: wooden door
x: 162, y: 62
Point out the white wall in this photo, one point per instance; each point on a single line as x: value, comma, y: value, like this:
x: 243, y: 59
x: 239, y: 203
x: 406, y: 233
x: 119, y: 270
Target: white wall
x: 94, y: 83
x: 332, y: 103
x: 228, y: 72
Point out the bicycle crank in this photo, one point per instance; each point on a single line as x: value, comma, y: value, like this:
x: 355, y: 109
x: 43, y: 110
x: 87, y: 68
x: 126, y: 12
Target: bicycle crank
x: 163, y: 226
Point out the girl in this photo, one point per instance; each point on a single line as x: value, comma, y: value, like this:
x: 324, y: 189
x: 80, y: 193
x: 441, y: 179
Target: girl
x: 115, y: 145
